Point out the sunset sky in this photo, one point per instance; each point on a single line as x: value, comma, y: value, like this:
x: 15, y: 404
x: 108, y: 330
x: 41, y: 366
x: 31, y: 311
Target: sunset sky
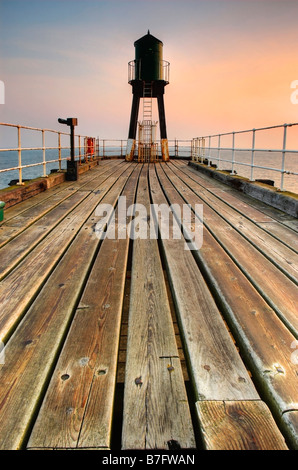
x: 232, y: 62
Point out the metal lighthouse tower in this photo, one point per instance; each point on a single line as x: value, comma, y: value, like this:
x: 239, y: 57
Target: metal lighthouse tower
x: 148, y: 76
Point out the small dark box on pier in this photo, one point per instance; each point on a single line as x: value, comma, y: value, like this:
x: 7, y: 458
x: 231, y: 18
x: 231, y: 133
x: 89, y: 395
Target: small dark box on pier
x: 72, y: 171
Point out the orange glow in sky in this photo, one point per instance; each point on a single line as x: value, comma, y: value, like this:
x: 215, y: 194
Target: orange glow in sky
x: 232, y: 62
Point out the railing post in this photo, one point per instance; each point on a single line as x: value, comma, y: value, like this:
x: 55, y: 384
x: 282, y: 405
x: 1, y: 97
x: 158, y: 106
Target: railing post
x: 59, y: 151
x: 218, y: 152
x: 80, y: 155
x: 194, y: 150
x: 97, y: 147
x: 20, y: 156
x: 252, y: 155
x: 103, y: 148
x: 233, y: 153
x: 44, y: 164
x: 283, y: 161
x: 209, y: 149
x: 85, y: 150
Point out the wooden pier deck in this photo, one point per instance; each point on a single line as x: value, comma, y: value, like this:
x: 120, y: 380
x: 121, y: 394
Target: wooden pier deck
x: 143, y: 344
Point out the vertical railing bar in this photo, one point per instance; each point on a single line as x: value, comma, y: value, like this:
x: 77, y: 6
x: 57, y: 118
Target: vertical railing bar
x: 59, y: 151
x: 209, y: 157
x: 44, y: 154
x: 196, y: 147
x: 233, y: 153
x: 209, y: 149
x: 194, y: 150
x: 20, y: 155
x: 80, y: 149
x: 284, y: 146
x: 252, y: 155
x: 218, y: 152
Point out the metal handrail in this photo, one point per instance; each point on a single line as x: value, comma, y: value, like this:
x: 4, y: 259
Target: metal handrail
x: 43, y: 148
x: 202, y: 151
x: 253, y: 129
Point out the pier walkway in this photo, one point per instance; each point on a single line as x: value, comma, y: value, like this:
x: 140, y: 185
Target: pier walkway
x: 143, y: 344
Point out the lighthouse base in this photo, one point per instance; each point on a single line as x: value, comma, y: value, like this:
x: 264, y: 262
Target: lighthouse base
x: 130, y: 151
x: 165, y: 150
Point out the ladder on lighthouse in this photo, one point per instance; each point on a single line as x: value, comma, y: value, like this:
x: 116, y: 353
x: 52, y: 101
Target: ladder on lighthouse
x: 147, y: 146
x: 147, y: 102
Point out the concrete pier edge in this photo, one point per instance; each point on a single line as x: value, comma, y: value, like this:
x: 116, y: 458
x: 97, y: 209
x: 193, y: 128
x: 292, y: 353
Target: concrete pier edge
x: 15, y: 194
x: 282, y: 200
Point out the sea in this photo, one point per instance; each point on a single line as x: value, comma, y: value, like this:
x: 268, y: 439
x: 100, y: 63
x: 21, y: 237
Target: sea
x: 9, y: 159
x: 271, y: 161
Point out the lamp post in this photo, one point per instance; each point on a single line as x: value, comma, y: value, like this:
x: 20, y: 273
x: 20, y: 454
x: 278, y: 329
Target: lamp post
x: 72, y: 165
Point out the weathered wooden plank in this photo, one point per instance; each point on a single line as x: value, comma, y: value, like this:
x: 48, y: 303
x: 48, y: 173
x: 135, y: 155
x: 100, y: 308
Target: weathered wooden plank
x: 89, y: 357
x: 285, y: 234
x: 216, y: 367
x: 284, y: 300
x: 46, y: 196
x: 272, y: 212
x: 42, y: 197
x: 268, y: 218
x: 18, y: 289
x: 293, y: 224
x: 92, y: 184
x: 18, y: 248
x: 224, y: 192
x: 289, y: 420
x: 97, y: 424
x: 279, y: 254
x: 31, y: 353
x: 124, y: 330
x: 42, y: 200
x: 156, y: 410
x: 17, y: 224
x: 263, y: 339
x: 244, y: 205
x: 103, y: 167
x: 24, y: 214
x: 246, y: 425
